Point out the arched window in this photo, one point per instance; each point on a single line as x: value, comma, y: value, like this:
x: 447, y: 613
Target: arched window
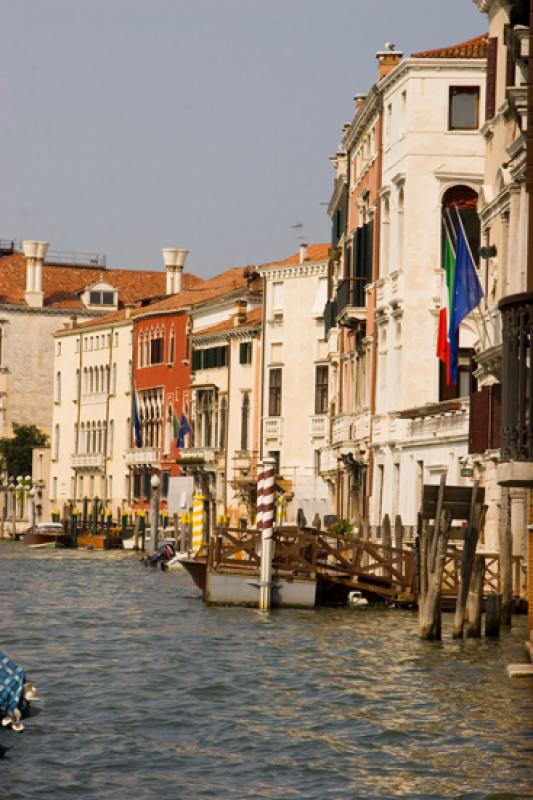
x: 401, y: 206
x: 58, y: 387
x: 245, y: 419
x: 85, y: 381
x: 459, y: 213
x: 110, y: 438
x: 56, y: 442
x: 172, y: 345
x: 96, y: 380
x: 114, y: 379
x: 91, y: 380
x: 385, y: 237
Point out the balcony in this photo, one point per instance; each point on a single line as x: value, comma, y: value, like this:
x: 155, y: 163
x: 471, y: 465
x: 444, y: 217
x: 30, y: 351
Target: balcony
x: 197, y: 455
x: 273, y: 427
x: 489, y: 357
x: 87, y: 461
x: 328, y: 461
x: 350, y: 428
x: 143, y: 457
x: 517, y: 391
x: 242, y: 461
x: 330, y: 316
x: 351, y: 299
x: 318, y: 426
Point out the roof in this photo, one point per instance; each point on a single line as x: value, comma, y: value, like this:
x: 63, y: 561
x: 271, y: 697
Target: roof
x: 315, y: 253
x: 63, y: 285
x: 253, y: 319
x: 472, y: 48
x: 225, y: 283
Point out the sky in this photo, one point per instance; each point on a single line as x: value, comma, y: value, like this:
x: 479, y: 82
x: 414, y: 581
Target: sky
x: 132, y: 125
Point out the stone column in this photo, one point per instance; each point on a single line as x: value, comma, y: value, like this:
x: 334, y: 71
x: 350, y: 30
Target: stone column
x: 519, y: 531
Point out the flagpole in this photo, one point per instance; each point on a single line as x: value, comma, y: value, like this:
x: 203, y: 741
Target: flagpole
x: 483, y: 321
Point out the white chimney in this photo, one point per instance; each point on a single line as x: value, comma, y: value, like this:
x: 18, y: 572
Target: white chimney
x: 174, y: 259
x: 303, y: 253
x: 35, y: 253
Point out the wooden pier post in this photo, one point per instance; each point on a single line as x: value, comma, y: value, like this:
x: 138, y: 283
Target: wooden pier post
x: 398, y: 532
x: 467, y: 562
x: 433, y: 545
x: 475, y: 598
x: 493, y: 610
x: 506, y: 557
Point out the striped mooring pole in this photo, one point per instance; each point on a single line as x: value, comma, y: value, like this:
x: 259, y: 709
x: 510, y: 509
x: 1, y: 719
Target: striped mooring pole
x: 266, y: 492
x: 198, y: 522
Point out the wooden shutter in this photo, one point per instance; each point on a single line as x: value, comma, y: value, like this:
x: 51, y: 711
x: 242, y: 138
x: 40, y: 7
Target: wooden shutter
x: 479, y: 421
x: 495, y: 416
x: 490, y: 98
x: 510, y: 67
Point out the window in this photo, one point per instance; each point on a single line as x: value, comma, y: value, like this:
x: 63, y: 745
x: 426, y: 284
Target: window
x: 58, y: 387
x: 223, y: 423
x: 165, y: 482
x: 210, y: 358
x: 114, y: 379
x: 275, y: 455
x: 110, y: 439
x: 321, y: 390
x: 245, y: 353
x: 77, y: 345
x: 157, y: 350
x: 56, y: 442
x: 463, y: 109
x: 101, y: 298
x: 245, y: 420
x: 466, y: 383
x: 277, y: 296
x: 59, y: 348
x: 274, y: 393
x: 172, y: 346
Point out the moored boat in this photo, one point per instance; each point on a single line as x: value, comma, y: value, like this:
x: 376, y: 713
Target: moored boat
x: 50, y: 533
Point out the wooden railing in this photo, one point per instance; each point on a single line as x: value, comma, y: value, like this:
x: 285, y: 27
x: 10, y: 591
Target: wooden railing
x: 492, y: 581
x: 307, y: 553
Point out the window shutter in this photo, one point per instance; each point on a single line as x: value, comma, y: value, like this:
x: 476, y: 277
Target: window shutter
x: 495, y: 416
x: 478, y: 434
x: 490, y: 98
x: 510, y: 68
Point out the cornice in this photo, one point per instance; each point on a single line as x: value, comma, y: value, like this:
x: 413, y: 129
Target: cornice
x: 50, y: 312
x: 223, y: 336
x: 78, y: 331
x: 340, y: 187
x: 306, y: 270
x: 371, y: 106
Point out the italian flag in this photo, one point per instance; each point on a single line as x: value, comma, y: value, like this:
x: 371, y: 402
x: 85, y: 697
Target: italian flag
x: 443, y: 342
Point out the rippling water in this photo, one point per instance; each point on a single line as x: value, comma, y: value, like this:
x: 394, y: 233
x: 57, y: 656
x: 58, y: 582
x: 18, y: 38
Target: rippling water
x: 149, y: 694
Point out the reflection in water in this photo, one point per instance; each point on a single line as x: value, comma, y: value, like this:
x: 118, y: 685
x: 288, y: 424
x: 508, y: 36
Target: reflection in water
x: 149, y: 694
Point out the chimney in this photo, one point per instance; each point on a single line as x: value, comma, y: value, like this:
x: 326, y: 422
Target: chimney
x: 240, y: 316
x: 359, y: 100
x: 174, y: 259
x: 73, y: 321
x: 388, y: 59
x: 303, y: 253
x: 35, y: 253
x: 128, y: 309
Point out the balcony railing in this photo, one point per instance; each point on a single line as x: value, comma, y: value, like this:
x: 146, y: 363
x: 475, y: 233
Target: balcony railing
x: 517, y: 377
x: 351, y: 294
x: 198, y: 455
x: 273, y: 427
x: 87, y: 461
x: 318, y: 426
x: 143, y: 456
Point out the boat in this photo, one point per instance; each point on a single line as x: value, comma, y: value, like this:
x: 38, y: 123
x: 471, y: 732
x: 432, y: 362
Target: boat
x: 47, y: 533
x: 175, y: 563
x: 197, y: 569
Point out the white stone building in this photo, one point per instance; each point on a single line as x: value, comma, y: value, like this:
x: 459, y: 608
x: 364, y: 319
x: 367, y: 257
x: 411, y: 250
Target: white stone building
x: 433, y: 161
x: 295, y: 397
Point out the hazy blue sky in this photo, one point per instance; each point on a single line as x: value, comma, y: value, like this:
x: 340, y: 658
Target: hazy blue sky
x: 131, y: 125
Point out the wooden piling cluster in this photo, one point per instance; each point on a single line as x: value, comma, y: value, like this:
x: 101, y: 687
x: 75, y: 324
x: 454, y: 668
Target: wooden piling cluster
x: 440, y: 507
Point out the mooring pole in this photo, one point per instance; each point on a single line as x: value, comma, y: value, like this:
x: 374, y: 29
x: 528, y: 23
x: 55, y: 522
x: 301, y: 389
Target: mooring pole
x: 267, y: 533
x: 198, y: 518
x: 154, y: 512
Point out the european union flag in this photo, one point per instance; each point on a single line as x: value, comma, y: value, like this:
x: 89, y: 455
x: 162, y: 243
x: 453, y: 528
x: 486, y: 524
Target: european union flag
x: 184, y: 429
x: 467, y: 293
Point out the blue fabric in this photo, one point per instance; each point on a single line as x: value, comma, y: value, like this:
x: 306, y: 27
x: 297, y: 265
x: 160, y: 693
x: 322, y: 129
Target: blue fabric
x: 466, y: 295
x: 12, y: 679
x: 136, y: 422
x: 184, y: 429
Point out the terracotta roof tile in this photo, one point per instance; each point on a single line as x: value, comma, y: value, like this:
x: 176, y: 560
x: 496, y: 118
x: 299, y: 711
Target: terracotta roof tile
x: 253, y: 319
x: 472, y: 48
x: 226, y: 283
x: 315, y: 252
x: 62, y: 285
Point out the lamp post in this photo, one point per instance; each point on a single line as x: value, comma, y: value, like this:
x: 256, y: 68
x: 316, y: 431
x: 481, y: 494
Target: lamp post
x: 154, y: 511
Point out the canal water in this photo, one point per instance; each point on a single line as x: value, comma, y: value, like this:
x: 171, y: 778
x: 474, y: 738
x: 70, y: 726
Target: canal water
x: 147, y: 693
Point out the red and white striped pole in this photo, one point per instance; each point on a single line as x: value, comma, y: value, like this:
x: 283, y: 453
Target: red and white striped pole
x: 266, y: 488
x: 259, y: 512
